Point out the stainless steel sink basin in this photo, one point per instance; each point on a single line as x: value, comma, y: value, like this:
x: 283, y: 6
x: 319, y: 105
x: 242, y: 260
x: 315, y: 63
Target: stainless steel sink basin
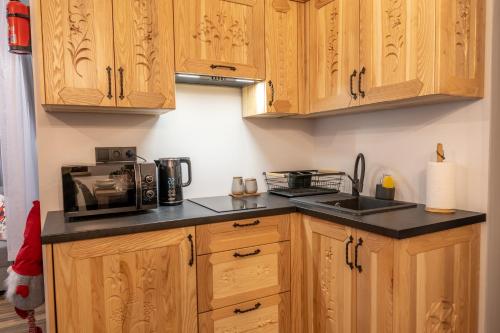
x: 364, y: 205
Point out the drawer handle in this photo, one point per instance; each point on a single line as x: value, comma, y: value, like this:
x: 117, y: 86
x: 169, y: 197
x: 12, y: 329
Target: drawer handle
x: 239, y: 311
x: 231, y: 68
x: 239, y: 255
x: 238, y: 225
x: 191, y: 260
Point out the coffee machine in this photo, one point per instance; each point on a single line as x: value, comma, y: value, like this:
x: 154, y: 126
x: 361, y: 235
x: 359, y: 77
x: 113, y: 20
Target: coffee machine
x: 170, y: 181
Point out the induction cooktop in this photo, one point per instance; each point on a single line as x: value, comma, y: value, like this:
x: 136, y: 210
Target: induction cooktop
x: 230, y: 204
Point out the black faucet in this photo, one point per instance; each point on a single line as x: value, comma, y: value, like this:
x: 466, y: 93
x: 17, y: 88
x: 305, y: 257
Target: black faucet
x: 357, y: 181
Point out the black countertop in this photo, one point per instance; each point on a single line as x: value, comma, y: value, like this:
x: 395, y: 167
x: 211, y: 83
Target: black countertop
x: 398, y: 224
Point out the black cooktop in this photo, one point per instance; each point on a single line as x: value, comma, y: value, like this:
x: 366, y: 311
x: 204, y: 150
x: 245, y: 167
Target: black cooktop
x: 229, y: 204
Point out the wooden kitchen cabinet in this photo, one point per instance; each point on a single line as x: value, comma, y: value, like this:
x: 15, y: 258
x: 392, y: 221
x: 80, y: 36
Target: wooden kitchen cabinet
x: 379, y: 54
x: 144, y: 53
x: 278, y: 95
x: 437, y: 282
x: 333, y: 31
x: 374, y: 282
x: 330, y: 281
x: 135, y: 283
x: 223, y: 38
x: 78, y: 53
x: 110, y: 54
x: 426, y: 283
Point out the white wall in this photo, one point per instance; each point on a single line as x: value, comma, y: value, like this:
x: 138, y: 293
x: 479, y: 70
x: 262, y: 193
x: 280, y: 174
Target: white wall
x: 401, y: 142
x: 207, y: 126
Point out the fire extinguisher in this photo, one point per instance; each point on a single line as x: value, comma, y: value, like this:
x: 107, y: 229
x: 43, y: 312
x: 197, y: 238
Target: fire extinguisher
x: 18, y: 19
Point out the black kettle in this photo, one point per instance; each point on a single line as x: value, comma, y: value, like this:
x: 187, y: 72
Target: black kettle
x: 170, y: 182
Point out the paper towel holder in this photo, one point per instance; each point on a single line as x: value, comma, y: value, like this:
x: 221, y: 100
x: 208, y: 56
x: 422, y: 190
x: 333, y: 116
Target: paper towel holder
x: 440, y: 159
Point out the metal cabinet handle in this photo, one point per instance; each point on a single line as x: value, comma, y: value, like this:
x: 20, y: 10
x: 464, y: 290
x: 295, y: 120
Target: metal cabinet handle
x: 361, y: 91
x: 349, y: 242
x: 359, y: 267
x: 110, y: 95
x: 191, y: 260
x: 238, y: 225
x: 231, y: 68
x: 239, y: 255
x: 121, y: 70
x: 353, y: 75
x: 271, y: 85
x: 239, y: 311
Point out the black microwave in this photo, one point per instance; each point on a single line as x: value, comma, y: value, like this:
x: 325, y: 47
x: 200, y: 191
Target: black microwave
x: 109, y: 188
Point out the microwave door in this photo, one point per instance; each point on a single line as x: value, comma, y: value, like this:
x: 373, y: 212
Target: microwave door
x: 86, y: 200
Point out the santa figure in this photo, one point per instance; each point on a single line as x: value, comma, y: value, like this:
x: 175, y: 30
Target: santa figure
x: 25, y: 281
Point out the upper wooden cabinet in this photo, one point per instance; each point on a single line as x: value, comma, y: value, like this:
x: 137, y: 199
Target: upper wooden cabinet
x: 220, y: 38
x: 144, y: 53
x: 108, y: 53
x: 384, y: 53
x: 333, y: 32
x: 279, y: 94
x: 78, y: 52
x: 134, y: 283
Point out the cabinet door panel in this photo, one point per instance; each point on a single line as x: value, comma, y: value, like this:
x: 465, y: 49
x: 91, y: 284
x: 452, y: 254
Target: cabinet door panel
x: 220, y: 37
x: 461, y: 25
x: 330, y: 281
x: 333, y: 53
x: 437, y: 282
x: 282, y: 56
x: 134, y: 283
x: 144, y: 44
x: 374, y: 283
x: 78, y: 49
x: 397, y: 49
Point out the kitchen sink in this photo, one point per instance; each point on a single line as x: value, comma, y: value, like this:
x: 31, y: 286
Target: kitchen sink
x: 364, y: 205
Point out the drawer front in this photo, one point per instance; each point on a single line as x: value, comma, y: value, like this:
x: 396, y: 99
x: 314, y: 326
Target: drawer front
x: 269, y: 314
x: 236, y: 276
x: 232, y: 235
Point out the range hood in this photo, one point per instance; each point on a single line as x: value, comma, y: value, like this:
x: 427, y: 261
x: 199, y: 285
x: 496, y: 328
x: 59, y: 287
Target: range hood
x: 213, y: 80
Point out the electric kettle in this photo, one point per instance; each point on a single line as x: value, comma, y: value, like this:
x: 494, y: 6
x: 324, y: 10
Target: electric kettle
x: 170, y: 181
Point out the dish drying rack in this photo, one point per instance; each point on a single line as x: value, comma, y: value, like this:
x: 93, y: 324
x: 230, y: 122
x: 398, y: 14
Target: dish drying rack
x: 302, y: 183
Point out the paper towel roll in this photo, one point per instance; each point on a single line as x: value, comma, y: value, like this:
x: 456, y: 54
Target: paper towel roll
x: 441, y: 193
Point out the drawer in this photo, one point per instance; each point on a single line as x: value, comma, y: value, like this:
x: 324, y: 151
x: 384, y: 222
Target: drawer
x: 232, y: 235
x: 232, y: 277
x: 269, y: 314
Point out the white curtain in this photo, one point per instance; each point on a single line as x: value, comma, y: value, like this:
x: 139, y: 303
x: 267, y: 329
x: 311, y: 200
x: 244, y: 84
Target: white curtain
x: 17, y: 138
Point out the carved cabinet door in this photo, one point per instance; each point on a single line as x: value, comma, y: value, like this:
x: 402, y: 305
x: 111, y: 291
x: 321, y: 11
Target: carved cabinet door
x: 397, y: 49
x: 220, y: 38
x: 330, y: 280
x: 436, y: 282
x: 134, y: 283
x: 144, y: 53
x: 282, y: 56
x: 78, y: 52
x: 333, y: 54
x: 374, y: 282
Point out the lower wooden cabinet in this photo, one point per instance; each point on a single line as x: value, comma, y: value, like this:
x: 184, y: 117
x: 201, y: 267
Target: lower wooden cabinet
x: 340, y: 279
x: 269, y: 314
x: 437, y: 282
x: 134, y: 283
x: 231, y: 277
x: 356, y: 281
